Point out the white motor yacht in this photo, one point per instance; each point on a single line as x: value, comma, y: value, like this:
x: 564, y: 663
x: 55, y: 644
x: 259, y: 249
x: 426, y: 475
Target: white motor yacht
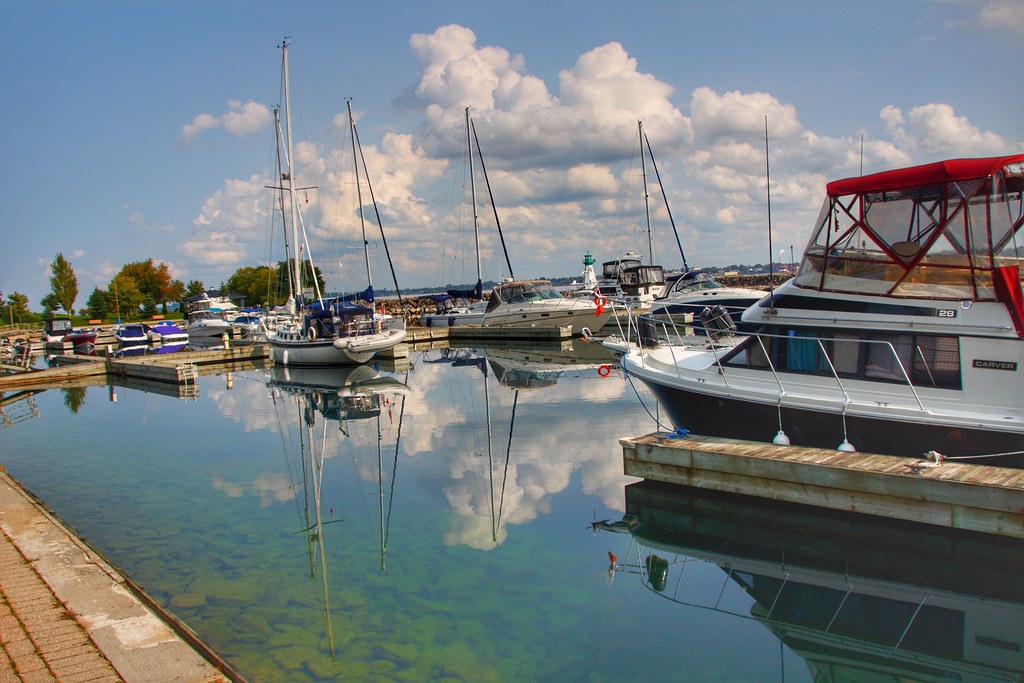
x: 902, y: 333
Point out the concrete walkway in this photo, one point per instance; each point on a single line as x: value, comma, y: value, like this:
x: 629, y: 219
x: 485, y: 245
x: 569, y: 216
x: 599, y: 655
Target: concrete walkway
x: 66, y: 615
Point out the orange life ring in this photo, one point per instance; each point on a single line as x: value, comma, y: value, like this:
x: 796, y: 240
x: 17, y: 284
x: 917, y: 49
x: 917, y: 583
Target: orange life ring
x: 604, y: 370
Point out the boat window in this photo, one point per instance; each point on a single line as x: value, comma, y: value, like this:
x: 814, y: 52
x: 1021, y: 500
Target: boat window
x: 929, y: 361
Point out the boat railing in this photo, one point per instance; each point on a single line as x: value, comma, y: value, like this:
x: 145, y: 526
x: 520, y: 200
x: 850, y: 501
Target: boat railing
x: 646, y: 331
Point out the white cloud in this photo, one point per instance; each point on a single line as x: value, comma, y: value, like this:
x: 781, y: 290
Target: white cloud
x: 1002, y: 15
x: 240, y: 120
x: 563, y: 167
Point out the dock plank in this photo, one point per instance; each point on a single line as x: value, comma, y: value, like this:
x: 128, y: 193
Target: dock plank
x: 966, y: 496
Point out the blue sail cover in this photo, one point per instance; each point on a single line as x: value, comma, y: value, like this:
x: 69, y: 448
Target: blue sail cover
x: 476, y: 293
x: 365, y: 295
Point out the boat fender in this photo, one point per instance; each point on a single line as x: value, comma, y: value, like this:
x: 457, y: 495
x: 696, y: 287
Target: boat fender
x: 311, y: 333
x: 451, y: 320
x: 604, y: 370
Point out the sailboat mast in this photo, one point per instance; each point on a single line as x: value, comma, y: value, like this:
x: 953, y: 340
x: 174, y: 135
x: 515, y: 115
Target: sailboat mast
x: 289, y: 177
x: 472, y: 189
x: 284, y: 215
x: 359, y: 190
x: 647, y: 196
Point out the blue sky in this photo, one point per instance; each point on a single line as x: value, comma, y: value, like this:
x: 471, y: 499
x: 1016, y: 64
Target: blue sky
x: 140, y: 130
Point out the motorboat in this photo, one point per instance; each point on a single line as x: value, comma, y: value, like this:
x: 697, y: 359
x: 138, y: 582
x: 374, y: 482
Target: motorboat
x: 902, y: 332
x: 688, y: 294
x: 536, y: 303
x: 166, y: 332
x: 131, y: 334
x: 206, y: 324
x: 59, y: 331
x: 454, y: 308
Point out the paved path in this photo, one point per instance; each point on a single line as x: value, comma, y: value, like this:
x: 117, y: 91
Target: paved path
x: 66, y: 615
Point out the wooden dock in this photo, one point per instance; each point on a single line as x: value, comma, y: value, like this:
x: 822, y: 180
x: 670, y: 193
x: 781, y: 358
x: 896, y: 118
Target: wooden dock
x: 179, y: 368
x: 958, y: 496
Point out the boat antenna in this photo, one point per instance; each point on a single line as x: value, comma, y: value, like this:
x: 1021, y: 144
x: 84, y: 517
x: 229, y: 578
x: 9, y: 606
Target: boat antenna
x: 664, y: 197
x: 376, y: 210
x: 862, y: 153
x: 490, y: 194
x: 768, y: 187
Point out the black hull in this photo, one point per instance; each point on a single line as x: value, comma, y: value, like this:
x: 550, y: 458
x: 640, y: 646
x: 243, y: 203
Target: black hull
x: 731, y: 418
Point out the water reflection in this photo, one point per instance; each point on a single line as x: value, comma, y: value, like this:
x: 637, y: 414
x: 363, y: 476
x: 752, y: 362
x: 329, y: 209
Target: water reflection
x: 855, y: 598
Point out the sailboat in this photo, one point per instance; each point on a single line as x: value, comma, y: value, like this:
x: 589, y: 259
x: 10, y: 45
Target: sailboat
x: 338, y: 331
x: 449, y: 313
x: 524, y: 303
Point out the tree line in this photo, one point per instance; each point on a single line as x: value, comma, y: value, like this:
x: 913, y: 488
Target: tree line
x: 144, y: 287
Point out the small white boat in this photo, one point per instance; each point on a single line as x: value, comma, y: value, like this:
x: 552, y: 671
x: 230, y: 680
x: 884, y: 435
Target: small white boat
x: 535, y: 303
x: 131, y: 333
x: 206, y: 324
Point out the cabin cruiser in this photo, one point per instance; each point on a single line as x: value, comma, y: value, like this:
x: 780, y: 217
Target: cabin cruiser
x: 206, y: 323
x: 691, y: 292
x: 456, y: 307
x: 902, y: 333
x: 535, y: 303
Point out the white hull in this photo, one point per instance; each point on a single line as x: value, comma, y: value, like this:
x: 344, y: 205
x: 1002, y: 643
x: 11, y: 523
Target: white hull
x: 571, y: 313
x: 209, y: 328
x: 451, y: 319
x: 290, y: 348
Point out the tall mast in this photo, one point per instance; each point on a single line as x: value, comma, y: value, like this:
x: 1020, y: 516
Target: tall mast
x: 289, y: 176
x: 281, y: 204
x: 647, y: 197
x: 359, y: 190
x: 472, y: 187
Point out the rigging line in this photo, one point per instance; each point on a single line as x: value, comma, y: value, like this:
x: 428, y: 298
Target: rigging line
x: 508, y: 456
x: 768, y: 188
x: 394, y: 466
x: 664, y: 197
x: 376, y: 211
x: 490, y: 194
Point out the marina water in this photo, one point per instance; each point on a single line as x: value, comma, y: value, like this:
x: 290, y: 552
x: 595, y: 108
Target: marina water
x: 434, y: 521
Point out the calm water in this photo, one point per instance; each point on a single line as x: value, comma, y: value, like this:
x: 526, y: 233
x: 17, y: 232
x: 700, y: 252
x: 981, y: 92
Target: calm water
x: 433, y: 522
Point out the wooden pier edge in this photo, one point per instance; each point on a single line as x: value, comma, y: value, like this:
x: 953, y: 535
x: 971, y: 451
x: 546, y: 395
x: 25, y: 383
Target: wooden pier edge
x: 958, y: 496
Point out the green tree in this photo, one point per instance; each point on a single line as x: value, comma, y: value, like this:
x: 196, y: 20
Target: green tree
x: 16, y: 308
x: 100, y: 304
x: 308, y: 272
x: 194, y: 287
x: 128, y: 297
x: 255, y: 284
x: 50, y: 303
x: 152, y: 280
x: 63, y: 282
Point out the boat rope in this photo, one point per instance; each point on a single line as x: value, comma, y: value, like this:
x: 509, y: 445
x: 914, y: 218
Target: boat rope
x: 934, y: 459
x: 640, y: 398
x: 973, y: 457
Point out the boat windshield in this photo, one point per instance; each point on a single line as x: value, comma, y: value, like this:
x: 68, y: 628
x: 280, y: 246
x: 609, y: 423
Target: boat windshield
x: 693, y: 282
x: 937, y: 231
x: 523, y: 292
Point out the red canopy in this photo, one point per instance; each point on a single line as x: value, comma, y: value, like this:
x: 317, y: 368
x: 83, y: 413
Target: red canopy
x: 928, y: 174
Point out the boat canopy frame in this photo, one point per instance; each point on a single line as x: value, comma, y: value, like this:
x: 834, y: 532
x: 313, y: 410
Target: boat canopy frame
x: 938, y: 231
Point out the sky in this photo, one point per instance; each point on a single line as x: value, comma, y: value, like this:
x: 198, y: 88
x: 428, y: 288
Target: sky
x: 139, y: 130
